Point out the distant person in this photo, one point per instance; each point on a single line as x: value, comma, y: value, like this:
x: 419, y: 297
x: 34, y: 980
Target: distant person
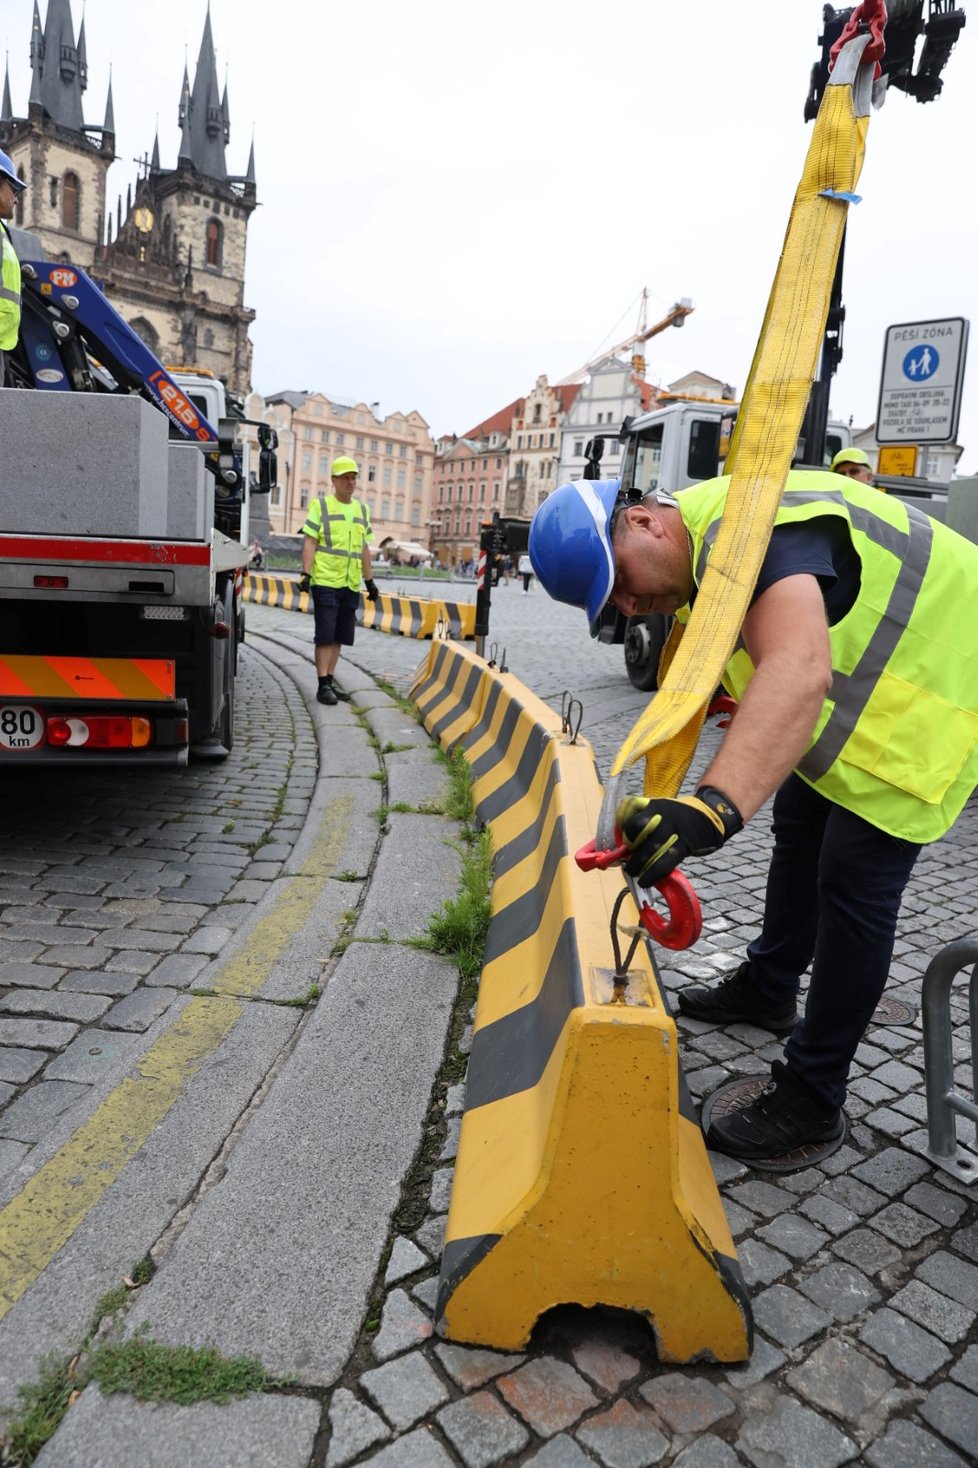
x: 10, y: 187
x: 526, y: 571
x: 854, y: 464
x: 335, y: 556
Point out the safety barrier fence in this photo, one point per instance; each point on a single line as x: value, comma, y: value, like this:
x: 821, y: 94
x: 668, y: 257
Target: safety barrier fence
x: 944, y: 1103
x: 406, y: 616
x: 582, y: 1176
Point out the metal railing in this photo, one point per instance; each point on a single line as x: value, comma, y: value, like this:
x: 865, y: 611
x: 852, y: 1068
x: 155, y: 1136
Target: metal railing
x: 944, y: 1103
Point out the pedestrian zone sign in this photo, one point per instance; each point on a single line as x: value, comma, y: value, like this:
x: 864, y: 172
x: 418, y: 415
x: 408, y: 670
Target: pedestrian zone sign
x: 921, y: 382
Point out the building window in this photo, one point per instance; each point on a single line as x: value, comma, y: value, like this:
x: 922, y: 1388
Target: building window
x: 399, y: 509
x: 418, y: 456
x: 401, y: 479
x: 70, y: 202
x: 536, y: 412
x: 307, y: 433
x: 387, y: 476
x: 385, y: 507
x: 324, y: 463
x: 374, y: 446
x: 388, y: 448
x: 471, y: 493
x: 147, y: 333
x: 495, y: 490
x: 303, y: 496
x: 307, y: 463
x: 317, y: 408
x: 417, y: 483
x: 372, y: 474
x: 415, y: 514
x: 276, y: 495
x: 340, y: 440
x: 324, y: 435
x: 359, y: 441
x: 551, y: 444
x: 215, y: 235
x: 403, y: 451
x: 578, y: 447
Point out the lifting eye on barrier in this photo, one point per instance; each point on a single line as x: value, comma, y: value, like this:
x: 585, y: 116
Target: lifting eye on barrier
x: 441, y: 630
x: 568, y: 703
x: 493, y: 649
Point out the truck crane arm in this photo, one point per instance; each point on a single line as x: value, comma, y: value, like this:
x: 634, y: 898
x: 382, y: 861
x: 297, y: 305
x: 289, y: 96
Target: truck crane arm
x: 73, y: 339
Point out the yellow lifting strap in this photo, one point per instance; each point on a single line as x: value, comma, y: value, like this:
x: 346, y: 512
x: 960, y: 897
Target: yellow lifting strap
x: 767, y: 429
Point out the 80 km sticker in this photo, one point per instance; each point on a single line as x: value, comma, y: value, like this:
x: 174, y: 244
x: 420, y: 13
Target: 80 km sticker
x: 21, y: 727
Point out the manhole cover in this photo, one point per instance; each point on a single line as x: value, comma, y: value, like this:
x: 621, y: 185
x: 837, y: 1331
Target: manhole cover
x: 893, y: 1012
x: 740, y: 1093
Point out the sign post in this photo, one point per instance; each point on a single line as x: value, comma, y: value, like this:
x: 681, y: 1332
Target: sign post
x: 921, y: 382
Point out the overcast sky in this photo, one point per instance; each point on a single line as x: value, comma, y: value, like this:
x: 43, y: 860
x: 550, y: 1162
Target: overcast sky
x: 456, y: 198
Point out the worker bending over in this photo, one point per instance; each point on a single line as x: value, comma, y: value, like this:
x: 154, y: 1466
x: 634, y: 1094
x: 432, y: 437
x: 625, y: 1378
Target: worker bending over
x: 856, y: 676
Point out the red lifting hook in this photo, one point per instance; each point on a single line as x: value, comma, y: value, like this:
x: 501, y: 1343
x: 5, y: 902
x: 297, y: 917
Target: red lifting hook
x: 685, y: 921
x: 872, y: 14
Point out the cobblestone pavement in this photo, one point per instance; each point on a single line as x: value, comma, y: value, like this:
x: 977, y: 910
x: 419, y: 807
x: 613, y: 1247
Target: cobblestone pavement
x: 863, y: 1272
x: 118, y: 887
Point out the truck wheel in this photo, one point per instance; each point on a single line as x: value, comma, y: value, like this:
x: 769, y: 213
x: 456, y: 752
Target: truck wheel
x: 227, y: 716
x: 644, y: 640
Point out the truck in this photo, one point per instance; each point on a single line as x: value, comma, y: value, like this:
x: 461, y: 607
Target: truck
x: 674, y: 445
x: 124, y: 497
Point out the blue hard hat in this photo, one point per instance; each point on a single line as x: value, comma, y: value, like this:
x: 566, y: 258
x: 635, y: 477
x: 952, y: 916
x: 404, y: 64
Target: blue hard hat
x: 570, y: 543
x: 7, y: 170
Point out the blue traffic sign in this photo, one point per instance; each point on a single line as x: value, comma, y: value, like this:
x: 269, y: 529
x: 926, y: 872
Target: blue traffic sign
x: 921, y: 362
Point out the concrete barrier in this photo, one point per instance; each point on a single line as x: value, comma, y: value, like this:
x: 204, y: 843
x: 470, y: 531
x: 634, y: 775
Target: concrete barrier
x: 582, y: 1176
x: 406, y: 616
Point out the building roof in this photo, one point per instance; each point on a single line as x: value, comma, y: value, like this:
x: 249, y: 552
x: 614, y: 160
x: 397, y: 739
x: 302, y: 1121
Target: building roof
x: 500, y: 422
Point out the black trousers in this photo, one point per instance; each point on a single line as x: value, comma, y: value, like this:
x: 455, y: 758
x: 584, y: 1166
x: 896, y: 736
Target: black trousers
x: 833, y: 896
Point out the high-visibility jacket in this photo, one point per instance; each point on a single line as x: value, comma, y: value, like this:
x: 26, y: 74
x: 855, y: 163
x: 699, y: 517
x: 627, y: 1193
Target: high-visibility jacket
x: 896, y: 740
x: 9, y: 291
x: 342, y: 532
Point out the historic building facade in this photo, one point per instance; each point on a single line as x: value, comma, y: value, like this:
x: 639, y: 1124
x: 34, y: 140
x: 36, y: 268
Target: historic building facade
x: 395, y: 455
x: 172, y: 259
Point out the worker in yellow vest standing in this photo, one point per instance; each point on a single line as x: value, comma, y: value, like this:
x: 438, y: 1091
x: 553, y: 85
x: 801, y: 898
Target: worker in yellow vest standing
x: 335, y: 556
x: 10, y: 187
x: 858, y: 711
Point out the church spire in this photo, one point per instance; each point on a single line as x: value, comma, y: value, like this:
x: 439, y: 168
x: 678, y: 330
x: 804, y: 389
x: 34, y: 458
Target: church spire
x: 183, y: 117
x: 108, y: 125
x: 207, y: 112
x: 250, y: 175
x: 6, y: 110
x: 154, y: 162
x: 63, y: 71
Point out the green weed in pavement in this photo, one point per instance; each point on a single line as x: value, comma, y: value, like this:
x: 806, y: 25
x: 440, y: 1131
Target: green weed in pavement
x: 459, y: 930
x: 156, y: 1373
x: 43, y: 1404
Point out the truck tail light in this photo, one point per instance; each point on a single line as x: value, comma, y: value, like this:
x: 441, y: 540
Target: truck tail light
x: 51, y: 583
x: 99, y: 731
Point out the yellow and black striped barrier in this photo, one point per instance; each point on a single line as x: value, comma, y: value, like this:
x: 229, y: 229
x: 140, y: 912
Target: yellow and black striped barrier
x: 582, y: 1176
x: 406, y: 616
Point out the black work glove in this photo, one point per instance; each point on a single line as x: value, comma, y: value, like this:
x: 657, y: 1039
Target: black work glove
x: 372, y: 591
x: 661, y: 833
x: 304, y: 581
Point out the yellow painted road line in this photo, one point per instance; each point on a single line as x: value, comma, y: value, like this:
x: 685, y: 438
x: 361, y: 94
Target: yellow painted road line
x: 50, y: 1207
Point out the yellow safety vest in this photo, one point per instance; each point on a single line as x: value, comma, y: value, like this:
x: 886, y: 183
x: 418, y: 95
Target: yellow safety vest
x: 897, y: 738
x: 9, y: 291
x: 342, y: 531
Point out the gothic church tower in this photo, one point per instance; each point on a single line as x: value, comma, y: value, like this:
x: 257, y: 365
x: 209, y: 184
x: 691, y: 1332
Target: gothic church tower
x: 172, y: 258
x: 63, y: 160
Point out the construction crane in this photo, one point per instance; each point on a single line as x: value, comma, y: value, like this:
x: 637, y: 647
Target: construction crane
x: 639, y: 337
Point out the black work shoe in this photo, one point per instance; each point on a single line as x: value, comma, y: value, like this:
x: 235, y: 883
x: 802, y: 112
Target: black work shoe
x: 326, y: 693
x: 785, y: 1116
x: 341, y: 693
x: 735, y: 1000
